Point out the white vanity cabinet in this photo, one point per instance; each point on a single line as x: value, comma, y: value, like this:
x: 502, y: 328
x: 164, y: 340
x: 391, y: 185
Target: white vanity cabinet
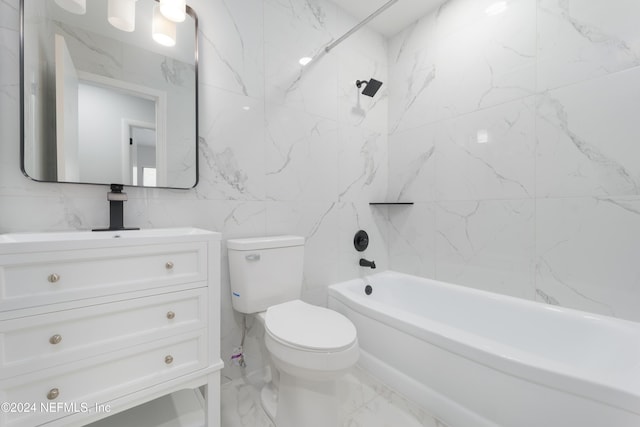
x: 92, y: 324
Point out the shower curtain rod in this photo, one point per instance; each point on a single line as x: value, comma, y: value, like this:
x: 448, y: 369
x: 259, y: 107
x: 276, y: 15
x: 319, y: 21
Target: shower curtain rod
x: 357, y: 27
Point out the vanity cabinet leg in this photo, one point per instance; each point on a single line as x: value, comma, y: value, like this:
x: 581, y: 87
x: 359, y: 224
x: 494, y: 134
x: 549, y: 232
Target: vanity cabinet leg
x: 212, y: 400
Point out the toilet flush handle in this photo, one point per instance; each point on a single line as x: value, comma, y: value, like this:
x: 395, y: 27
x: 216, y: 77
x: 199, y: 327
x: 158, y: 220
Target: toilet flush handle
x: 252, y: 257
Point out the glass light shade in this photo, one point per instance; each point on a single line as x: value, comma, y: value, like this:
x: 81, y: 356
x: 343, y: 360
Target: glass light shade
x: 496, y: 8
x: 174, y: 10
x: 79, y: 7
x: 163, y: 31
x: 122, y: 14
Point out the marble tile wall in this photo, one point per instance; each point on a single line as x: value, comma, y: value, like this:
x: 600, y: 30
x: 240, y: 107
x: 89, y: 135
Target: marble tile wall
x: 516, y: 135
x: 283, y: 149
x: 513, y: 133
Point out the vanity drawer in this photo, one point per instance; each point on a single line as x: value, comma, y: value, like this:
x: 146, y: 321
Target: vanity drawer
x: 81, y: 386
x: 51, y: 277
x: 37, y: 342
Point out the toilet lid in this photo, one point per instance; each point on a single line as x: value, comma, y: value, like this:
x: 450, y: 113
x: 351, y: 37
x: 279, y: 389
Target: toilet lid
x: 308, y: 326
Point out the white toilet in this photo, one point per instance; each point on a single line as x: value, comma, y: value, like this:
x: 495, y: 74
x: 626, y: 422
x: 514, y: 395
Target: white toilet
x: 310, y: 346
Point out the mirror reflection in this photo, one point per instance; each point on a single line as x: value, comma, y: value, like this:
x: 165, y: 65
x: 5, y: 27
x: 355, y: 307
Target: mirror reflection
x: 109, y: 92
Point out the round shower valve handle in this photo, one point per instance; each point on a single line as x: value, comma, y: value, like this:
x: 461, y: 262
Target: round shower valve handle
x: 361, y: 240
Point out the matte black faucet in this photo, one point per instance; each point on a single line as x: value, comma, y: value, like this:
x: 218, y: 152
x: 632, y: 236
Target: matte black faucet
x: 116, y: 200
x: 367, y: 263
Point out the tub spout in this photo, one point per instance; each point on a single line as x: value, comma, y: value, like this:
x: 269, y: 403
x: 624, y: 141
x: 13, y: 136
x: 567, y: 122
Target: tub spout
x: 367, y: 263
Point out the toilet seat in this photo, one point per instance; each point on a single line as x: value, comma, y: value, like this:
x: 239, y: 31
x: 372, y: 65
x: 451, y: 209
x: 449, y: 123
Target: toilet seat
x: 308, y: 327
x: 310, y: 342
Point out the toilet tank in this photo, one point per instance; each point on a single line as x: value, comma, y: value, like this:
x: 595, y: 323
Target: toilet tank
x: 265, y: 271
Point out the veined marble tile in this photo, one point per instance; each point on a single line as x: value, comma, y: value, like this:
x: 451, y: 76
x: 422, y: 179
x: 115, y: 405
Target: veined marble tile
x: 487, y: 154
x: 231, y: 45
x: 365, y: 403
x: 412, y: 239
x: 380, y: 413
x: 458, y: 16
x: 354, y: 216
x: 9, y: 15
x: 301, y: 156
x: 413, y: 100
x: 9, y: 51
x: 232, y: 218
x: 9, y: 73
x: 294, y: 30
x: 232, y: 163
x: 412, y: 71
x: 366, y: 41
x: 317, y: 222
x: 93, y: 52
x: 362, y: 164
x: 418, y: 36
x: 240, y: 405
x: 412, y: 164
x: 580, y: 40
x: 10, y: 95
x: 587, y: 137
x: 318, y: 14
x: 484, y: 60
x: 487, y: 245
x: 586, y: 254
x: 159, y: 71
x: 9, y: 134
x: 65, y: 212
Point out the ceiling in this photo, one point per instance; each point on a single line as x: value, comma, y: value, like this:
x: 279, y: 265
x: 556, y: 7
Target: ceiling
x: 390, y: 22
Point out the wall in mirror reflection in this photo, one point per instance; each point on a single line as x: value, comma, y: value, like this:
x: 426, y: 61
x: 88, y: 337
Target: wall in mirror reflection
x: 105, y: 106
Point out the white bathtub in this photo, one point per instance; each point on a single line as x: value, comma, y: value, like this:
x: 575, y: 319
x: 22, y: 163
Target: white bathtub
x: 476, y: 359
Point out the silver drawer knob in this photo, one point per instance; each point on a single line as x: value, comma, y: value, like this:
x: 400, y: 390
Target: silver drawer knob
x: 55, y: 339
x: 168, y: 265
x: 168, y: 360
x: 53, y: 394
x: 53, y: 278
x: 171, y: 315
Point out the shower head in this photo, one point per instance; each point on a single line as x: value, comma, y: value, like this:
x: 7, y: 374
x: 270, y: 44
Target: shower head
x: 372, y: 86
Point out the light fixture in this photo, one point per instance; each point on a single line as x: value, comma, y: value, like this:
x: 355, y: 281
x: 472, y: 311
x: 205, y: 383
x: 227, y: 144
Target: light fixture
x: 305, y: 60
x: 174, y: 10
x: 163, y: 31
x: 79, y: 7
x: 482, y: 136
x: 496, y: 8
x: 122, y: 14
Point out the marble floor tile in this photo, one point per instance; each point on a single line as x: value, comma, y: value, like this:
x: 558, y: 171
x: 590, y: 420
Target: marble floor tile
x: 365, y: 403
x: 240, y: 404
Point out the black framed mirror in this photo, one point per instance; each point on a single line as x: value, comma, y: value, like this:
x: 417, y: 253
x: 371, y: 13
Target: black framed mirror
x: 103, y: 101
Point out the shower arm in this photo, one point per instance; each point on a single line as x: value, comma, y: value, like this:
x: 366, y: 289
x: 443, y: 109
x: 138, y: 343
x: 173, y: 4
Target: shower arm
x: 360, y: 25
